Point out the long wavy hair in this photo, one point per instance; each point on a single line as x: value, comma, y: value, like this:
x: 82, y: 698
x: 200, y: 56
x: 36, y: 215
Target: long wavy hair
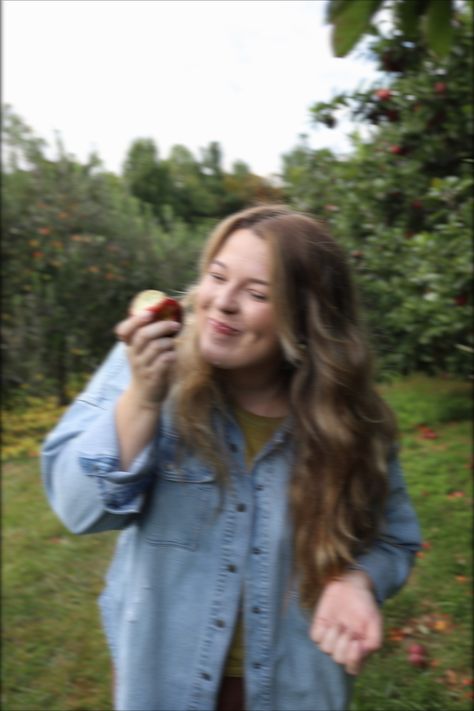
x: 342, y: 429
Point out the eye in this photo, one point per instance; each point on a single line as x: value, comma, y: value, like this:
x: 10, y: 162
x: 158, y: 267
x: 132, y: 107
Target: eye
x: 216, y: 276
x: 258, y: 296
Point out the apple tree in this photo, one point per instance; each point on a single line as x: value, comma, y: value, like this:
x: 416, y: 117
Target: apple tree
x: 402, y: 201
x: 76, y: 247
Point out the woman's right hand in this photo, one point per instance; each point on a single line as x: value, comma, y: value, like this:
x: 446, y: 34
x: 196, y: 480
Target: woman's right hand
x: 151, y: 354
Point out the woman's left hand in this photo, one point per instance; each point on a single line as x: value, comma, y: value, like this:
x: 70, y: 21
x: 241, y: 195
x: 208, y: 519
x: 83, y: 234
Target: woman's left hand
x: 347, y: 623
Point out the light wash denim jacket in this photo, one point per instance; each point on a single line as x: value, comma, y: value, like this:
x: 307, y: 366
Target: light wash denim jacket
x: 185, y: 560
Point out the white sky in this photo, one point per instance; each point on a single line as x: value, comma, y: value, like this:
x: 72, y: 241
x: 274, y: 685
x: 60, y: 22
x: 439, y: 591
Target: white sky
x: 240, y: 72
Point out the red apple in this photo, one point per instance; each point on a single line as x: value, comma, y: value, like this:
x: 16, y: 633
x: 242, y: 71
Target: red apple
x: 391, y: 62
x: 392, y: 115
x: 397, y: 150
x: 417, y: 660
x: 383, y: 94
x: 417, y: 655
x: 162, y: 306
x: 416, y: 649
x: 440, y: 87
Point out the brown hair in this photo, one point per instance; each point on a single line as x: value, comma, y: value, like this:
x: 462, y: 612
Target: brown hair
x: 342, y: 428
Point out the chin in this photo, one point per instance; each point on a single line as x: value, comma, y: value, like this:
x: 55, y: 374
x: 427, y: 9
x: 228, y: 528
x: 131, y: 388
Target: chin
x: 214, y: 356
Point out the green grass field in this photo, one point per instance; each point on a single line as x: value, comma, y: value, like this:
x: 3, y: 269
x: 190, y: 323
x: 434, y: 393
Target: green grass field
x: 54, y: 654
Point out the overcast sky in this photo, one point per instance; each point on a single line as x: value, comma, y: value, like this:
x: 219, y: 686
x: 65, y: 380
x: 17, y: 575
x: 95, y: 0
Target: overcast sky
x: 240, y: 72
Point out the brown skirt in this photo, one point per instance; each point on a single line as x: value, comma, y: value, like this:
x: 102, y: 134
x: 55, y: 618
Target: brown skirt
x: 231, y: 694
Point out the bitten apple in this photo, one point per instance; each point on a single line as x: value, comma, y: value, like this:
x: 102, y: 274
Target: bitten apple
x: 162, y: 306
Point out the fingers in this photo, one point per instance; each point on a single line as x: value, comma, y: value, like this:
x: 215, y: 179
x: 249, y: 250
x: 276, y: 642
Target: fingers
x: 354, y: 657
x: 126, y: 328
x: 373, y: 634
x: 341, y: 643
x: 140, y: 329
x: 153, y: 349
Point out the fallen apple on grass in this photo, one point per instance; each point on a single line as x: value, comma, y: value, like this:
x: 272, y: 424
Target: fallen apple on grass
x: 417, y: 655
x: 162, y: 306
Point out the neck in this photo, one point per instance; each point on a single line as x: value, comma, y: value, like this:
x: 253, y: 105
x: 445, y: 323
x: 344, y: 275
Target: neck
x: 267, y: 397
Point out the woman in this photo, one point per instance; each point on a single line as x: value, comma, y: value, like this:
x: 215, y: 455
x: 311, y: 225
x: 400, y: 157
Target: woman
x: 252, y: 466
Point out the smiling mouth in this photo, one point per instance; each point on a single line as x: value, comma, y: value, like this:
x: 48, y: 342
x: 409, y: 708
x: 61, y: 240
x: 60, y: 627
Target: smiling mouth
x: 223, y: 328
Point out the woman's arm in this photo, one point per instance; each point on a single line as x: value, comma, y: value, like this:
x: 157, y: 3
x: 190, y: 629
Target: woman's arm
x: 347, y: 623
x: 80, y: 457
x: 98, y: 461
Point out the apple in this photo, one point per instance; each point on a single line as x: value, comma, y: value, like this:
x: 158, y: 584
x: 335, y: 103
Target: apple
x: 417, y: 660
x: 460, y: 299
x: 397, y: 150
x: 416, y: 649
x: 440, y: 87
x: 383, y: 94
x: 162, y: 306
x: 417, y: 655
x: 391, y: 62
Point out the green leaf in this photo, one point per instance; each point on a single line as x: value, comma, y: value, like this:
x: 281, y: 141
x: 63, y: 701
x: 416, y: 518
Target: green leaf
x: 350, y: 23
x: 409, y: 13
x: 439, y: 29
x: 334, y: 7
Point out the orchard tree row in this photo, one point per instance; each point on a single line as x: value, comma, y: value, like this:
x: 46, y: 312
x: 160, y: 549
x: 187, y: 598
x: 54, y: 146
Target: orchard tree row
x: 79, y: 242
x: 402, y: 202
x: 189, y: 188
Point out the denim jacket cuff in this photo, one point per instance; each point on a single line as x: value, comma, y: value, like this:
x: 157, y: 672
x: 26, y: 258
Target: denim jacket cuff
x: 386, y: 569
x: 98, y: 448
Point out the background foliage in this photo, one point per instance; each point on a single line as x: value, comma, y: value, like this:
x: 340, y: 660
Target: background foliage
x: 78, y: 241
x: 402, y: 203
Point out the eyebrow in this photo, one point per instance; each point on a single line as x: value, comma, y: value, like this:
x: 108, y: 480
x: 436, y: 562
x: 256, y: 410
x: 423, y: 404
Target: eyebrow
x: 253, y: 280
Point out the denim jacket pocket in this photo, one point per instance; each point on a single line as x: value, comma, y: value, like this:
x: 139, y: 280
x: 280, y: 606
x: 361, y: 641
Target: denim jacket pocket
x: 179, y: 505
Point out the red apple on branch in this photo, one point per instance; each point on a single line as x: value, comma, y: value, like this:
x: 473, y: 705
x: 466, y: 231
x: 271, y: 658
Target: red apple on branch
x: 440, y: 87
x: 383, y: 94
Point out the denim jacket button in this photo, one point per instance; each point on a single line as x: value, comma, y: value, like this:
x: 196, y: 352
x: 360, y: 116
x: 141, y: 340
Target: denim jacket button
x: 220, y: 623
x: 241, y: 507
x: 231, y: 568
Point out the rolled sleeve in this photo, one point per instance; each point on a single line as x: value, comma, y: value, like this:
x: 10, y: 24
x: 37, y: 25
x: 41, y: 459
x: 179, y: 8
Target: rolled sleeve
x: 389, y: 561
x: 98, y: 454
x: 81, y: 458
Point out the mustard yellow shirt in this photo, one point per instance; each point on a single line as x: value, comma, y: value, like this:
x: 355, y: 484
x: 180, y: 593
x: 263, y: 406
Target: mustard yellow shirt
x: 257, y: 430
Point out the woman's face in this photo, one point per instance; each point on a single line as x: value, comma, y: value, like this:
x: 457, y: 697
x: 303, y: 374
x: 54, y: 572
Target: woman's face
x: 235, y: 318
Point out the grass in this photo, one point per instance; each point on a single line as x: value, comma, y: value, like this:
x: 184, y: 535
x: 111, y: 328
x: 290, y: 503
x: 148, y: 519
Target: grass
x: 54, y: 654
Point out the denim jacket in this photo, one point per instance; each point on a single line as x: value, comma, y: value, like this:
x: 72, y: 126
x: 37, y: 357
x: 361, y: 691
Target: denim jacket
x: 186, y: 559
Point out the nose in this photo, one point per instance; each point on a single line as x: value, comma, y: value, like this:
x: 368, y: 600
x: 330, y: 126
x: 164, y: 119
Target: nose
x: 226, y: 299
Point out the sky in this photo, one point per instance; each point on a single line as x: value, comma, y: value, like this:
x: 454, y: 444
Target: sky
x: 103, y: 73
